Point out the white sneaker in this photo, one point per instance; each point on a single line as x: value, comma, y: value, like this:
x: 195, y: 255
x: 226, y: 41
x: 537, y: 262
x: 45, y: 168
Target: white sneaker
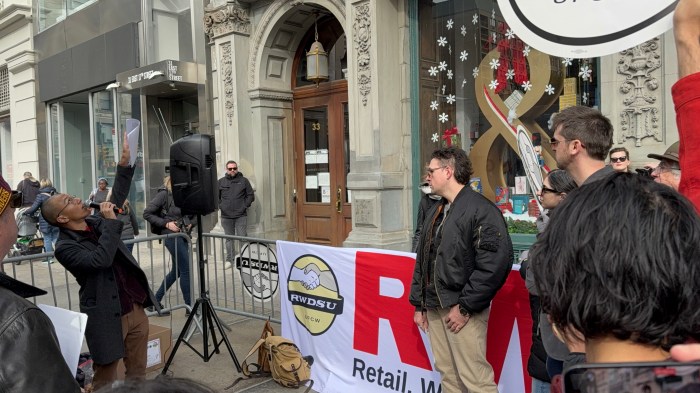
x: 227, y: 265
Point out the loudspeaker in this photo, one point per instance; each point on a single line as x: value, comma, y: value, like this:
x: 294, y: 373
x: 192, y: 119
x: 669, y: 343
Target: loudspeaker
x: 193, y: 174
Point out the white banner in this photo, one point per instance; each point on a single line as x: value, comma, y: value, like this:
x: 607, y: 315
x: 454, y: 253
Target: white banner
x: 348, y: 308
x: 587, y: 28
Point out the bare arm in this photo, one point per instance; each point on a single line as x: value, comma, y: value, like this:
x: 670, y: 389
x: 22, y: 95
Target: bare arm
x: 686, y: 29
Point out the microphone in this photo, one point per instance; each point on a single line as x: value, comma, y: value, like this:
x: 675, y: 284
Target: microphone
x: 93, y: 205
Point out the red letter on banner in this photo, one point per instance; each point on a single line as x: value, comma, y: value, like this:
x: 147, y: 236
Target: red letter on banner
x: 371, y: 306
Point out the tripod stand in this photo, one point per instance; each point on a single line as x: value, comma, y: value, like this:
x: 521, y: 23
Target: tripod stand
x: 209, y: 317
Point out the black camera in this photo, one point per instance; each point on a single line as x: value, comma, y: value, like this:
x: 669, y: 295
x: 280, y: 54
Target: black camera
x: 645, y: 172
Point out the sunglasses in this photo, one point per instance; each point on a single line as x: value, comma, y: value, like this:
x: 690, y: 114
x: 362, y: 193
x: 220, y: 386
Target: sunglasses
x: 15, y: 199
x: 547, y: 189
x: 431, y: 170
x: 233, y: 168
x: 618, y: 159
x: 554, y: 143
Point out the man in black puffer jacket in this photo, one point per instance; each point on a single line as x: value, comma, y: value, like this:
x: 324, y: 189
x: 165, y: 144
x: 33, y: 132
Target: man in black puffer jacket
x: 235, y: 197
x: 463, y: 258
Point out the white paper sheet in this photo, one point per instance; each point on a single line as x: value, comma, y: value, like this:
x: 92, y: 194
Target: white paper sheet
x: 311, y: 182
x: 310, y: 157
x: 322, y: 156
x: 70, y: 330
x: 324, y: 179
x: 133, y: 128
x: 325, y: 195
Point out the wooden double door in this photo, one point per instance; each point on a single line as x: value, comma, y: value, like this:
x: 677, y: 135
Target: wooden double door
x: 322, y: 163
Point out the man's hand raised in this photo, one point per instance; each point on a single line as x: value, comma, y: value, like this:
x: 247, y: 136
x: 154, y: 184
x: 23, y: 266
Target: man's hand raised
x: 126, y: 152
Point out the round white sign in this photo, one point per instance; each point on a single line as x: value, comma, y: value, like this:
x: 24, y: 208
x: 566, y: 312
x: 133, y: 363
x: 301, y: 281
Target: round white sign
x: 587, y: 28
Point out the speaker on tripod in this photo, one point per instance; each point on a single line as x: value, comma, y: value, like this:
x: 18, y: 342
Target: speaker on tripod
x: 193, y: 177
x: 193, y: 174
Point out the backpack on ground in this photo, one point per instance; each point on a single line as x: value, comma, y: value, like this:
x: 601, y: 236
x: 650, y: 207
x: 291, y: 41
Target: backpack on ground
x: 278, y: 358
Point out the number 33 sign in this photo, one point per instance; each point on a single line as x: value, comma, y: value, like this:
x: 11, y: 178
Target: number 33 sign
x: 587, y: 28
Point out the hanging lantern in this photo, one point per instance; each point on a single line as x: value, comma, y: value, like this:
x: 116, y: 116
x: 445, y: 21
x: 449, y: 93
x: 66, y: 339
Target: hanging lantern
x: 316, y: 60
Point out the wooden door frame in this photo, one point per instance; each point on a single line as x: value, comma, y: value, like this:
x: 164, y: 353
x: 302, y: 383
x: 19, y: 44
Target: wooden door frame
x: 332, y: 95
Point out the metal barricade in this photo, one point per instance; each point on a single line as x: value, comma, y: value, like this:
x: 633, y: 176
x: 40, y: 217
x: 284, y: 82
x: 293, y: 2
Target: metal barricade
x: 248, y: 286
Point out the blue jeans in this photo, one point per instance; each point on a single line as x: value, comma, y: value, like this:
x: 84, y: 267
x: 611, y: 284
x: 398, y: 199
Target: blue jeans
x: 540, y: 386
x: 179, y: 251
x: 50, y: 238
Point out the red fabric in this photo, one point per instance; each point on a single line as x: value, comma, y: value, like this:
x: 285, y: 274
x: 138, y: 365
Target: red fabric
x: 511, y: 304
x: 686, y: 97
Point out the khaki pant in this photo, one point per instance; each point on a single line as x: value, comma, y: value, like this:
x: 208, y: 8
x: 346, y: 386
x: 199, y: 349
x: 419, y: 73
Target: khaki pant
x: 461, y: 357
x: 135, y: 335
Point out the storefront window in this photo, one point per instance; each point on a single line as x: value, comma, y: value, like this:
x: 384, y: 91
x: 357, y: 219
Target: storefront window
x: 478, y: 82
x: 169, y: 31
x: 53, y: 11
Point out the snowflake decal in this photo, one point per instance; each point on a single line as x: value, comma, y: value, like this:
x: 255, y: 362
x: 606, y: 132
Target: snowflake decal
x: 493, y: 13
x: 435, y: 137
x: 449, y: 74
x: 527, y: 85
x: 450, y: 23
x: 585, y: 72
x: 443, y: 88
x: 510, y: 74
x: 526, y: 50
x: 443, y: 117
x: 494, y: 37
x: 464, y: 55
x: 493, y: 85
x: 549, y: 89
x: 442, y: 41
x: 451, y: 99
x: 464, y: 82
x: 475, y: 19
x: 510, y: 34
x: 442, y: 66
x: 433, y: 71
x: 463, y: 31
x: 584, y: 98
x: 475, y: 72
x: 567, y: 61
x: 494, y: 63
x: 434, y: 105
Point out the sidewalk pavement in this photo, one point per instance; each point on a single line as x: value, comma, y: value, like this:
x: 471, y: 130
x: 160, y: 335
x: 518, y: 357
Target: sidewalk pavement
x: 219, y: 372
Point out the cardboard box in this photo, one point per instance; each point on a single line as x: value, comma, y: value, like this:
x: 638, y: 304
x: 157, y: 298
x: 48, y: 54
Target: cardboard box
x: 160, y: 344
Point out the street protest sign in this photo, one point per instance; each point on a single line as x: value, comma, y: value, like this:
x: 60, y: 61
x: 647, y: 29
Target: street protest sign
x: 587, y: 28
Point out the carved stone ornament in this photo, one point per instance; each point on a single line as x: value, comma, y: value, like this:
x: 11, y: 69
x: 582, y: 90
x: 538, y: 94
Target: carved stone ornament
x: 361, y: 37
x: 640, y: 117
x: 226, y: 19
x: 227, y: 78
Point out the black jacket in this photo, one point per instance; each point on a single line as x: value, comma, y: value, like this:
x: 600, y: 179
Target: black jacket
x: 30, y: 359
x: 235, y: 196
x: 161, y: 210
x: 30, y: 189
x: 92, y: 266
x: 426, y: 202
x: 537, y: 361
x: 473, y: 259
x: 44, y: 194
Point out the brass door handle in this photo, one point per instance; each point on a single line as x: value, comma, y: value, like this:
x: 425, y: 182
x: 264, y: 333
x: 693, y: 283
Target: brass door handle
x: 339, y: 201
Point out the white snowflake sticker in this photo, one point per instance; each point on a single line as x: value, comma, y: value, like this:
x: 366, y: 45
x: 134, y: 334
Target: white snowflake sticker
x: 549, y: 89
x: 464, y: 55
x: 585, y: 72
x: 510, y: 74
x: 475, y: 19
x: 494, y: 63
x: 584, y: 98
x: 463, y: 31
x: 435, y: 137
x: 526, y: 85
x: 494, y: 37
x: 434, y: 105
x: 567, y: 61
x: 442, y: 41
x: 464, y: 82
x: 510, y: 34
x: 526, y: 50
x: 433, y: 71
x: 450, y: 23
x: 449, y: 74
x: 451, y: 99
x: 493, y: 13
x: 475, y: 72
x: 443, y: 88
x: 493, y: 85
x: 443, y: 117
x: 442, y: 66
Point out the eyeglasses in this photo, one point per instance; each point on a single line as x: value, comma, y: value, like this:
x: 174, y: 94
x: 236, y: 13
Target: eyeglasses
x: 618, y: 159
x: 665, y: 166
x: 554, y: 143
x: 233, y: 168
x: 16, y: 199
x: 430, y: 170
x: 547, y: 189
x: 68, y: 202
